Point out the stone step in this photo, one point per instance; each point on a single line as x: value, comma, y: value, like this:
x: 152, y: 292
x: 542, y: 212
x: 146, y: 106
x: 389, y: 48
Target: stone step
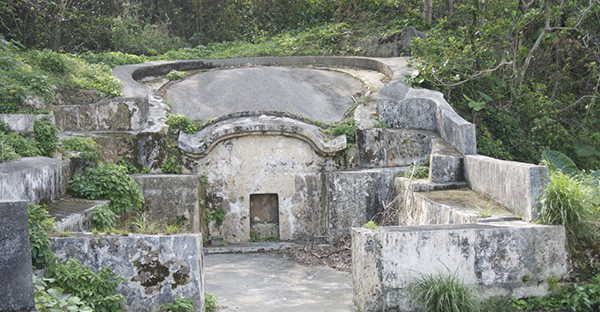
x: 453, y: 203
x: 74, y: 214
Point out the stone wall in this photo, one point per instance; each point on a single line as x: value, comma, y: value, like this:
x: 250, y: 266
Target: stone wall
x: 16, y: 289
x: 236, y: 168
x: 500, y: 259
x: 171, y: 199
x: 115, y: 114
x: 36, y: 179
x: 351, y: 198
x: 156, y: 268
x: 22, y: 122
x: 518, y: 186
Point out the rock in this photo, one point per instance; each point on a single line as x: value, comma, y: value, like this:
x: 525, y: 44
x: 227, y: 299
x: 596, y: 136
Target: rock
x: 33, y: 102
x: 397, y: 44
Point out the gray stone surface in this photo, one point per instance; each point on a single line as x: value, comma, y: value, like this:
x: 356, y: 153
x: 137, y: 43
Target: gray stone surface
x: 22, y: 122
x: 453, y: 203
x: 496, y: 258
x: 392, y: 147
x: 445, y: 164
x: 203, y: 141
x: 269, y: 282
x: 114, y: 114
x: 171, y: 199
x: 16, y: 289
x: 351, y: 198
x: 36, y: 179
x: 316, y: 94
x: 156, y: 268
x: 518, y: 186
x: 416, y: 113
x: 74, y: 214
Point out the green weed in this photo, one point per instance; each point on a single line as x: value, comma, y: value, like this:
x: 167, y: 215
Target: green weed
x: 444, y: 293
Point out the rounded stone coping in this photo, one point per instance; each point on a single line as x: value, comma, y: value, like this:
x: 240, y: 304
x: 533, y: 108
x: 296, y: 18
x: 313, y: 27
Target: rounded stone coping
x: 202, y: 142
x: 129, y: 74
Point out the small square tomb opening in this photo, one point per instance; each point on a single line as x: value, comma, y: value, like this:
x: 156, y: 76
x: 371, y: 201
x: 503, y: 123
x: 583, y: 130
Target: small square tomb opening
x: 264, y: 216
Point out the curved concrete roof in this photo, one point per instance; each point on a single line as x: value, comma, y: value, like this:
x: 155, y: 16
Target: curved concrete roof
x: 323, y: 95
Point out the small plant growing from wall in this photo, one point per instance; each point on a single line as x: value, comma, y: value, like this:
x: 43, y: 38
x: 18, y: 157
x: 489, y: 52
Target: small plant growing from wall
x: 181, y: 122
x: 103, y: 218
x: 175, y: 75
x: 171, y: 165
x: 180, y: 305
x: 217, y: 215
x: 420, y: 172
x: 371, y: 225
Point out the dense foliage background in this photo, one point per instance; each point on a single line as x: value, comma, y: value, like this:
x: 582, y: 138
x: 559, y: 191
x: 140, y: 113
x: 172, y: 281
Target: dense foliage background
x: 525, y: 71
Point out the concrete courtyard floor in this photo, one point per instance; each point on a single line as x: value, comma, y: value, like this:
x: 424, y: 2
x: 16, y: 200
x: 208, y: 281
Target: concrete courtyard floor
x: 252, y: 282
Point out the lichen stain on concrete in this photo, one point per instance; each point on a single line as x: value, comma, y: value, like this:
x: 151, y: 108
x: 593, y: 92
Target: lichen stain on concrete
x: 150, y: 275
x: 181, y: 277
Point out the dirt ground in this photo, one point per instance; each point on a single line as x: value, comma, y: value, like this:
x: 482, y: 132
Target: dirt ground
x: 310, y: 252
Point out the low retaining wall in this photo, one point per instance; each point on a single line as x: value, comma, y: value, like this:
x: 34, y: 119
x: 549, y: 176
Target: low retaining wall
x: 156, y: 268
x: 517, y: 186
x: 36, y: 179
x: 116, y: 114
x: 500, y: 259
x: 16, y: 289
x: 171, y: 199
x: 22, y: 122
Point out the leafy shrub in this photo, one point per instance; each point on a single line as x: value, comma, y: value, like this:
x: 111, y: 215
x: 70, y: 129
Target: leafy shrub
x: 210, y: 302
x: 103, y: 218
x: 4, y: 128
x: 347, y: 127
x: 180, y: 305
x: 420, y: 172
x: 23, y: 146
x: 46, y: 136
x: 6, y: 150
x: 90, y: 150
x: 175, y: 75
x: 573, y: 297
x: 108, y: 181
x: 53, y: 299
x: 48, y: 61
x: 181, y: 122
x: 40, y: 224
x: 439, y: 293
x: 129, y: 167
x: 171, y: 165
x: 112, y: 59
x: 571, y: 202
x: 99, y: 290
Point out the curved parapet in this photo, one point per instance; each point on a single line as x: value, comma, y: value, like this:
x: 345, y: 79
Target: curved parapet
x: 202, y: 142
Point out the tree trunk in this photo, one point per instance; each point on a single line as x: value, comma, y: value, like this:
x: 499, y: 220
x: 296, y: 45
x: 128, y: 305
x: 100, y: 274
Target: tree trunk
x: 427, y: 11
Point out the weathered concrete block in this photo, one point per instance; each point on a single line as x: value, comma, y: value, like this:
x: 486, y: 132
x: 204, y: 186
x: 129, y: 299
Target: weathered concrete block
x: 413, y: 113
x: 405, y: 147
x: 500, y: 259
x: 74, y: 214
x: 113, y: 114
x: 156, y: 268
x: 518, y: 186
x: 371, y: 147
x: 36, y: 179
x: 351, y: 198
x: 16, y: 289
x: 22, y: 122
x: 171, y: 199
x: 151, y: 149
x: 446, y: 168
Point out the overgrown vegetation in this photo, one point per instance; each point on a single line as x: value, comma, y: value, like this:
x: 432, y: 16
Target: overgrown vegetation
x: 104, y: 218
x: 87, y: 147
x: 346, y: 126
x: 175, y: 75
x: 85, y: 289
x: 417, y: 172
x: 108, y: 181
x: 180, y: 305
x: 210, y: 302
x: 181, y: 122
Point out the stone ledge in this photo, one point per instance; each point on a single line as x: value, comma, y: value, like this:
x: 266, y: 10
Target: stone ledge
x: 74, y: 214
x: 202, y: 142
x: 494, y: 257
x: 23, y: 122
